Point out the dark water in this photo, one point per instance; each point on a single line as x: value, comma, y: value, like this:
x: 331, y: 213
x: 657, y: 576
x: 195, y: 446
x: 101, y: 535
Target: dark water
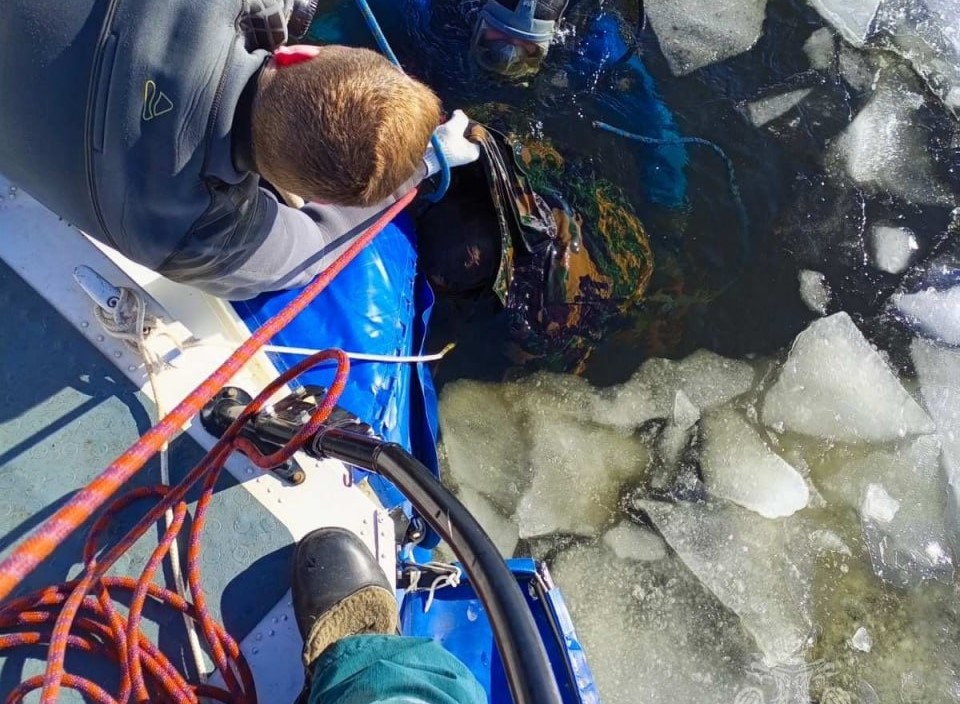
x: 729, y: 289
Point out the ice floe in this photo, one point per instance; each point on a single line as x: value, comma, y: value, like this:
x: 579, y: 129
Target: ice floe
x: 893, y: 248
x: 902, y: 498
x: 650, y: 631
x: 578, y: 474
x: 932, y: 312
x: 835, y: 385
x: 693, y: 35
x: 885, y: 148
x: 738, y: 465
x: 814, y: 291
x: 755, y: 566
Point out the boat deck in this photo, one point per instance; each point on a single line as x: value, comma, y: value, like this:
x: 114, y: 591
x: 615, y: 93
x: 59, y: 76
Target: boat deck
x: 71, y: 401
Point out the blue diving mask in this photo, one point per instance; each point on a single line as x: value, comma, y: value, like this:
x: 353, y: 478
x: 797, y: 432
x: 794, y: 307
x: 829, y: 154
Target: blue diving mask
x: 513, y: 43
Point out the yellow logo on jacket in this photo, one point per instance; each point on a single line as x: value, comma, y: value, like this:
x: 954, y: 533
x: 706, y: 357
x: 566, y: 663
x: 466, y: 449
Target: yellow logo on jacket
x: 155, y: 101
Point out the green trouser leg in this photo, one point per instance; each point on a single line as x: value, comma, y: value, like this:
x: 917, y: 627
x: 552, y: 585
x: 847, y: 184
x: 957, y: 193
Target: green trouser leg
x: 389, y: 670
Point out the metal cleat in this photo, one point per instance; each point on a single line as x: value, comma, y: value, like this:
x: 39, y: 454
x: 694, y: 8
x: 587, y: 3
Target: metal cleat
x: 103, y: 293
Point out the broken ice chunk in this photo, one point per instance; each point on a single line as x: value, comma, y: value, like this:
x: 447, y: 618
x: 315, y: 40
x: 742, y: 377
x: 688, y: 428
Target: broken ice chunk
x: 706, y: 380
x: 927, y: 34
x: 893, y: 247
x: 693, y: 35
x: 852, y: 18
x: 632, y: 542
x: 934, y: 313
x: 685, y: 414
x: 814, y: 291
x: 835, y: 385
x: 473, y: 413
x: 553, y: 394
x: 939, y: 372
x: 579, y: 471
x: 902, y: 500
x: 737, y: 465
x: 859, y: 69
x: 922, y: 32
x: 758, y: 568
x: 819, y: 49
x: 710, y: 380
x: 878, y: 505
x: 770, y: 107
x: 651, y: 628
x: 886, y: 149
x: 634, y: 402
x: 676, y: 435
x: 502, y: 531
x: 861, y: 640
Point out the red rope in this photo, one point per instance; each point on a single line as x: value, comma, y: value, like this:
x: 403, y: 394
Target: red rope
x: 81, y: 611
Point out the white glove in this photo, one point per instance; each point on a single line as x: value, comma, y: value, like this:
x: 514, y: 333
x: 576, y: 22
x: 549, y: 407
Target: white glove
x: 456, y: 147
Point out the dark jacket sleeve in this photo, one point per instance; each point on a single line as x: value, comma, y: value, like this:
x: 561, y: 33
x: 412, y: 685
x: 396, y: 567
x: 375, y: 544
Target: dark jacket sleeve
x: 268, y: 246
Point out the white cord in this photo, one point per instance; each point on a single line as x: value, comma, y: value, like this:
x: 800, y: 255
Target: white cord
x: 449, y: 577
x: 363, y: 356
x: 128, y: 321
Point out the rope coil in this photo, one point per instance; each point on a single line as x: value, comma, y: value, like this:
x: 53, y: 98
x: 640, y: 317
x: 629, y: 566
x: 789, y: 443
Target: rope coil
x: 85, y: 605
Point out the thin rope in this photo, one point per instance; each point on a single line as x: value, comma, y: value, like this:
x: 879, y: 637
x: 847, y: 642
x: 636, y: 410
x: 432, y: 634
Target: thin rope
x: 365, y: 357
x: 448, y: 575
x: 129, y: 321
x: 71, y: 605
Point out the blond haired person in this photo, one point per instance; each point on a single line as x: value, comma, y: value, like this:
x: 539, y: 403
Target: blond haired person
x: 149, y: 125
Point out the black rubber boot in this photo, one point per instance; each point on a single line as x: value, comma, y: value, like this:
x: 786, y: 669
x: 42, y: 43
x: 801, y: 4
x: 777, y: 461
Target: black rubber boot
x: 339, y: 590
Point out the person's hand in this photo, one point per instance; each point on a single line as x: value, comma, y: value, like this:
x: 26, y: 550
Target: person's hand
x: 456, y: 147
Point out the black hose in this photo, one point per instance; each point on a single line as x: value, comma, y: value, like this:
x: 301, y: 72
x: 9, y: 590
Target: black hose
x: 524, y: 657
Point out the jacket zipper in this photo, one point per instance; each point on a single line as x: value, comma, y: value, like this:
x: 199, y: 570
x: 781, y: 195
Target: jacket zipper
x: 90, y: 119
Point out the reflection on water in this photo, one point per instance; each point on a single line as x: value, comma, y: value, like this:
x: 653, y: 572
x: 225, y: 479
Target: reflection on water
x: 779, y: 523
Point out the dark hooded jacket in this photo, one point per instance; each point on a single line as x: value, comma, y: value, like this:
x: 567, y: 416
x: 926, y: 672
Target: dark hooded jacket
x: 130, y: 119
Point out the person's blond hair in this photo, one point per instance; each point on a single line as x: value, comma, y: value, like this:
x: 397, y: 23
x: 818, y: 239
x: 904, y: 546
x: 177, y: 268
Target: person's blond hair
x: 345, y: 127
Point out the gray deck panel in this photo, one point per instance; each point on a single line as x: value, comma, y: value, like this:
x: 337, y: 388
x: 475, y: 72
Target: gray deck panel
x: 65, y: 414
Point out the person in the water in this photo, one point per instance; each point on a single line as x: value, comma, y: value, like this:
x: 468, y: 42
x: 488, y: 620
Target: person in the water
x: 563, y: 250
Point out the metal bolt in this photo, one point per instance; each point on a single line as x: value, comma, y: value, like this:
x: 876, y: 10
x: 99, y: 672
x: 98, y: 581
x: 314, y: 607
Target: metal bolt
x: 84, y: 324
x: 132, y: 368
x: 118, y: 354
x: 231, y: 393
x: 99, y: 338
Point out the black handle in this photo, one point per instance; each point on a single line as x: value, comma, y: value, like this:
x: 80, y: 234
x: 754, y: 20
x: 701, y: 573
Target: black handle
x: 524, y: 657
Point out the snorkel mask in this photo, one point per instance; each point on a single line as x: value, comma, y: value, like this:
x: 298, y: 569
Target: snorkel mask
x: 514, y: 43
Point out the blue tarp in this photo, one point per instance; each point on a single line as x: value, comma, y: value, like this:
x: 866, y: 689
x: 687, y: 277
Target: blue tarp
x: 377, y: 305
